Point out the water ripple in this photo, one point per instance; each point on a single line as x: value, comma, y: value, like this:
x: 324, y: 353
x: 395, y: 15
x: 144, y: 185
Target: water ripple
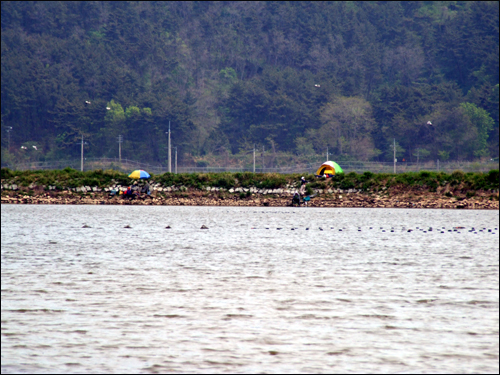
x: 333, y: 290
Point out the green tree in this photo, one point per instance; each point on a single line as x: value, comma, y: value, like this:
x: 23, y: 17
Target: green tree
x: 303, y: 146
x: 248, y: 73
x: 482, y: 121
x: 443, y: 155
x: 421, y: 154
x: 389, y: 154
x: 115, y: 113
x: 350, y: 119
x: 454, y: 133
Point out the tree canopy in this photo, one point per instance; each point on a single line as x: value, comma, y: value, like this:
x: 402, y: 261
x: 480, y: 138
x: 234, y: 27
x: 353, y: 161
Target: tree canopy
x: 292, y: 76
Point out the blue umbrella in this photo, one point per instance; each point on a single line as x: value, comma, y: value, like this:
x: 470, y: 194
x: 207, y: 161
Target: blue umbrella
x: 139, y: 173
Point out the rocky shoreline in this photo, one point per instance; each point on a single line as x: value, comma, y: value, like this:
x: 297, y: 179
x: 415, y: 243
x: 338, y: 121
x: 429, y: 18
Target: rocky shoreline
x: 389, y: 198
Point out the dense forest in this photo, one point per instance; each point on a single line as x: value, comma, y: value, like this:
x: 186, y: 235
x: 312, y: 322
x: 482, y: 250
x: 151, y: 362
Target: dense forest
x: 291, y: 77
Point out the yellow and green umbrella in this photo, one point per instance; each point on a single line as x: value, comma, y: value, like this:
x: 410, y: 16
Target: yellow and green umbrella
x: 139, y: 173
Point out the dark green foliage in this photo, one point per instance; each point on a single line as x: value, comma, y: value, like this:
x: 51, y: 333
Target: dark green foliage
x: 230, y: 75
x: 225, y: 180
x: 187, y: 179
x: 349, y: 182
x: 167, y: 179
x: 318, y: 184
x: 6, y: 173
x: 367, y: 176
x: 432, y: 185
x: 245, y: 179
x: 89, y: 181
x: 406, y: 178
x: 493, y: 177
x: 457, y: 177
x: 381, y: 178
x: 68, y: 170
x: 69, y: 178
x: 426, y: 179
x: 271, y: 181
x: 367, y: 185
x: 337, y: 179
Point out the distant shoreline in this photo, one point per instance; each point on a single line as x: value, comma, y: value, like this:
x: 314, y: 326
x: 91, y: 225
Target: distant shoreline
x: 410, y: 190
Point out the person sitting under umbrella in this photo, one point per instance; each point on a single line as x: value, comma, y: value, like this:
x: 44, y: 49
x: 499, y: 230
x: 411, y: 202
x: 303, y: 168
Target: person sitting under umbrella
x: 135, y: 189
x: 145, y: 189
x: 130, y: 193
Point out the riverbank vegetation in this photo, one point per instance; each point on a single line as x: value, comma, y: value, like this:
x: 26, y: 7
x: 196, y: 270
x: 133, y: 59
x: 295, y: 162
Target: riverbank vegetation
x: 424, y: 180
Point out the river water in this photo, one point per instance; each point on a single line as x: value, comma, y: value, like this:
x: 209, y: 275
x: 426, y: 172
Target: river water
x: 274, y: 290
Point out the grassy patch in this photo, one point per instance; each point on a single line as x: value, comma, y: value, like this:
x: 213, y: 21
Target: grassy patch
x: 71, y: 178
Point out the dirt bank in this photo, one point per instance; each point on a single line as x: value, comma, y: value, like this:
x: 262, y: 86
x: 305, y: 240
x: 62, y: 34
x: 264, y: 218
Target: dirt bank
x: 393, y: 198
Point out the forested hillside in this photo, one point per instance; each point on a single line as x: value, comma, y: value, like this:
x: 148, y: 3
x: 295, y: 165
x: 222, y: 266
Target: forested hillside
x: 292, y: 77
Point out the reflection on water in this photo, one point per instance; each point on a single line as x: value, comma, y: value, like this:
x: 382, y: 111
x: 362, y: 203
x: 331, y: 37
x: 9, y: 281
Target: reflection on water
x: 262, y: 290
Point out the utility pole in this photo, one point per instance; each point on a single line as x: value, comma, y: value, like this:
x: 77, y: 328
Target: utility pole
x: 394, y: 155
x: 254, y: 158
x: 263, y: 159
x: 175, y: 160
x: 120, y: 140
x: 9, y: 129
x: 81, y: 165
x: 169, y: 151
x: 326, y: 153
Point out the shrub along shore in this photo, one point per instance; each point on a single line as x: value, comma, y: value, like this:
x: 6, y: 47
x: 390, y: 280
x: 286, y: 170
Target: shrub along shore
x: 406, y: 190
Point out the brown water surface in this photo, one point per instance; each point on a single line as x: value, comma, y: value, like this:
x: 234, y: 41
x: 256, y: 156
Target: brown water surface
x: 275, y: 290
